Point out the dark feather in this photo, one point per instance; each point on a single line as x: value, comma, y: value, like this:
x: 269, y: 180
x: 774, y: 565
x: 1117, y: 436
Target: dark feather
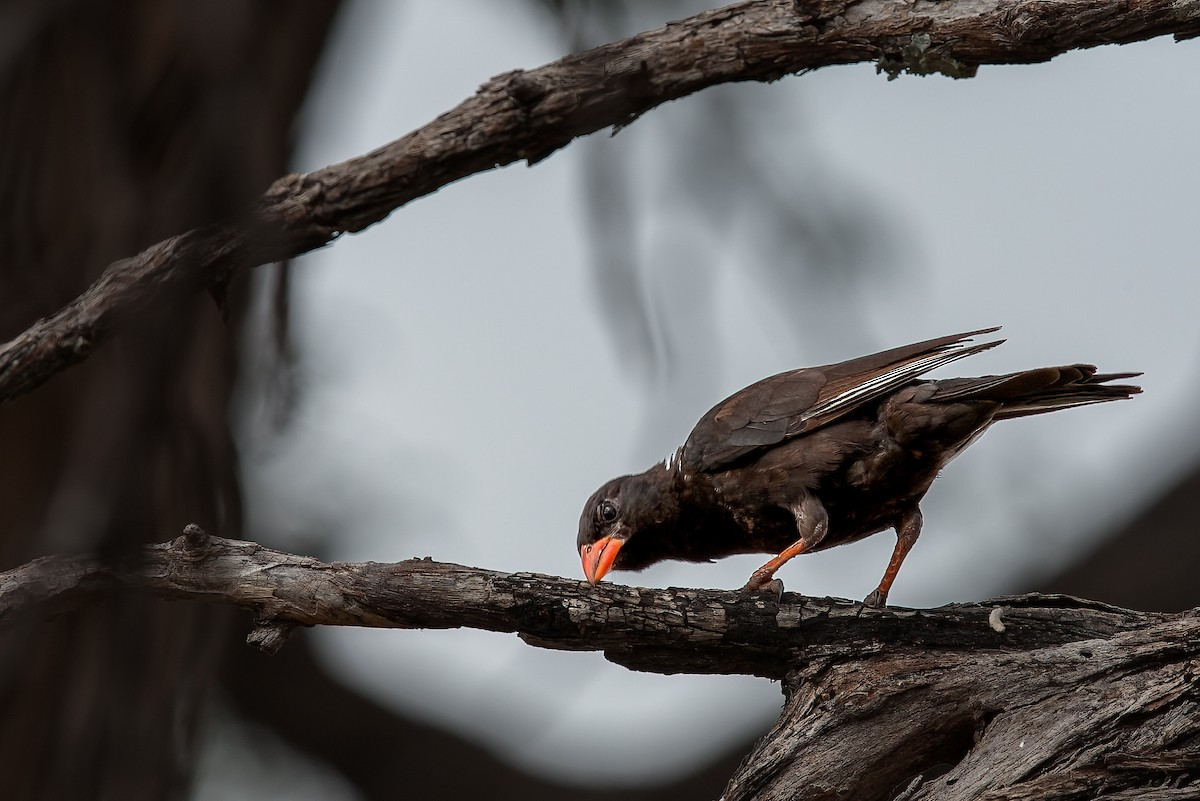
x: 788, y: 404
x: 1037, y: 391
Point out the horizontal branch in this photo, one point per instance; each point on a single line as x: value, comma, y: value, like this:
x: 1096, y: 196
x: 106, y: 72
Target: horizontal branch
x: 657, y: 630
x: 527, y: 115
x: 1027, y: 697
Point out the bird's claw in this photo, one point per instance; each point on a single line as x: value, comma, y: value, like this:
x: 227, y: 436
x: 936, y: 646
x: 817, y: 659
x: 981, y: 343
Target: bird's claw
x: 876, y: 599
x: 771, y: 587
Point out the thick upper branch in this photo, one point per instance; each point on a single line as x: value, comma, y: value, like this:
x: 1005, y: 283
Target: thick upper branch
x: 667, y: 631
x: 530, y: 114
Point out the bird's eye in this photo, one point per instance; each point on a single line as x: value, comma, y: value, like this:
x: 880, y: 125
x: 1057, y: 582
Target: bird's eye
x: 608, y: 511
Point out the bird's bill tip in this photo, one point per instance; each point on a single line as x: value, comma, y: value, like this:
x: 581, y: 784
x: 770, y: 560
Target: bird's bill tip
x: 598, y: 557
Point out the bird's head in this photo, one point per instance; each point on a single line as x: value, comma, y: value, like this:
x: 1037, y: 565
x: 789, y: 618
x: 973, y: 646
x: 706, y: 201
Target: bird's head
x: 622, y: 509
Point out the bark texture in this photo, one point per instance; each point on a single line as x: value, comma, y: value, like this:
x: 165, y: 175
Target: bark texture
x: 1101, y: 717
x: 527, y: 115
x: 1023, y: 697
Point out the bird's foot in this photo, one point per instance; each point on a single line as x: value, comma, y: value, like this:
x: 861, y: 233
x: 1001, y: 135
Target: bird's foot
x: 765, y: 585
x: 876, y: 599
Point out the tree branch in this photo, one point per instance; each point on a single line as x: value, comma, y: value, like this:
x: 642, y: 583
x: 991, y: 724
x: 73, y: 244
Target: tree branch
x: 667, y: 631
x: 1017, y: 698
x: 527, y: 115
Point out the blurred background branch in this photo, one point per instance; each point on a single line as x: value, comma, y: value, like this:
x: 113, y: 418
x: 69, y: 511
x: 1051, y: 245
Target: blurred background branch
x: 530, y: 114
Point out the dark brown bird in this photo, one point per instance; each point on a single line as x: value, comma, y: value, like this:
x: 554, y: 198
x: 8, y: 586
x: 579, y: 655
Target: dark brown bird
x: 820, y: 456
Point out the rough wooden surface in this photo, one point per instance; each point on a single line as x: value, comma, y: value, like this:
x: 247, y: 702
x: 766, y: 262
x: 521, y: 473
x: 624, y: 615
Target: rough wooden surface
x: 1106, y: 717
x: 658, y: 630
x: 1025, y: 697
x: 527, y: 115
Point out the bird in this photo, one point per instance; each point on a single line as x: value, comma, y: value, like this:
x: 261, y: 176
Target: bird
x: 818, y: 457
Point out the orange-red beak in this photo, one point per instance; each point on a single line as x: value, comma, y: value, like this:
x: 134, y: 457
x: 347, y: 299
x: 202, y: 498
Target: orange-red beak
x: 598, y: 557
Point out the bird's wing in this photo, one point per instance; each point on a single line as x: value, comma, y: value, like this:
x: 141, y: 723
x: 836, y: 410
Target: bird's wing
x: 792, y: 403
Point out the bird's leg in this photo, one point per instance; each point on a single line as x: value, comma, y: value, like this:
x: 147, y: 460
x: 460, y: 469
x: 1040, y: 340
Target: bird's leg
x: 812, y: 522
x: 906, y: 536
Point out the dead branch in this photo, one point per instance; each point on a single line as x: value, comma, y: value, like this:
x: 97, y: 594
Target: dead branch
x: 527, y: 115
x: 1015, y: 698
x: 665, y: 631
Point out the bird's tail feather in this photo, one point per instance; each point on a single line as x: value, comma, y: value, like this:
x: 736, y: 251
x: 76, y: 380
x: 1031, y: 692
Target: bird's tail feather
x: 1046, y: 389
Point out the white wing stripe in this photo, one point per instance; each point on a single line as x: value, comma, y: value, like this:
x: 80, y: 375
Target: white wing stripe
x: 892, y: 378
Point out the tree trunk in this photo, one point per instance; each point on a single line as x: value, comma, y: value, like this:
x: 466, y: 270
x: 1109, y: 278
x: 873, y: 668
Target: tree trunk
x: 1098, y: 718
x: 123, y: 123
